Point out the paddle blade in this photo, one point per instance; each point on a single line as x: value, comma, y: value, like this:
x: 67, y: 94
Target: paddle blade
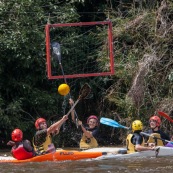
x: 166, y: 116
x: 56, y: 52
x: 102, y: 121
x: 113, y: 123
x: 84, y: 91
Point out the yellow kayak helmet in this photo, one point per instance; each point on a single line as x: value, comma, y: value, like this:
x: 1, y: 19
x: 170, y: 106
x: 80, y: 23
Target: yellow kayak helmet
x: 137, y: 125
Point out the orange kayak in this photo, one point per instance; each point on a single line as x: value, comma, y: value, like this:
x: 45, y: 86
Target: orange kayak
x: 59, y: 155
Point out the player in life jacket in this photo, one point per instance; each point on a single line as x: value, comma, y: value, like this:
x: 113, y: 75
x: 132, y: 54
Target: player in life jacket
x: 42, y: 140
x: 21, y: 149
x: 135, y: 141
x: 90, y: 133
x: 155, y: 123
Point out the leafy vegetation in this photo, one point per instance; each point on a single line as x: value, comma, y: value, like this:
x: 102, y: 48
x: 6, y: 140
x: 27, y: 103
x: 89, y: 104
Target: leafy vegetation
x: 143, y: 48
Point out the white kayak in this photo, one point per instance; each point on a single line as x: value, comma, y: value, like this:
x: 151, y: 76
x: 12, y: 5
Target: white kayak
x: 113, y: 150
x: 113, y: 153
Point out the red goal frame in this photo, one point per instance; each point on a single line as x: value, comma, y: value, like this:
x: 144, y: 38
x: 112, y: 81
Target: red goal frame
x: 48, y: 53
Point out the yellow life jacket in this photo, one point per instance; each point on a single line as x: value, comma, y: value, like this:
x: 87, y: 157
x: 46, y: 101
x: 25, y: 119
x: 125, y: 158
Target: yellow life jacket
x: 86, y: 143
x: 157, y: 142
x: 130, y: 146
x: 43, y: 148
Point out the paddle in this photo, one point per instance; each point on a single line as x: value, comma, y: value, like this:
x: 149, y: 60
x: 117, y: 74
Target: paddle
x: 150, y: 135
x: 166, y: 116
x: 112, y: 123
x: 83, y: 93
x: 56, y: 53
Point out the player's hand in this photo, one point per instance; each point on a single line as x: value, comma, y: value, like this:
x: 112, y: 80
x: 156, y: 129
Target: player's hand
x: 79, y: 123
x: 65, y: 117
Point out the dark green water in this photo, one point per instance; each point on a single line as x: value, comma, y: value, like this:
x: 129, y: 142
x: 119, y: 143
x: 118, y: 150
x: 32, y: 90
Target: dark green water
x: 142, y: 165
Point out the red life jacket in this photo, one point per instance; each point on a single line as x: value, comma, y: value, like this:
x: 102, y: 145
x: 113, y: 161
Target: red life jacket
x: 20, y: 153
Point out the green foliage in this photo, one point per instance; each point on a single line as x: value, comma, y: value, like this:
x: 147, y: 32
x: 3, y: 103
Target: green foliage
x: 135, y: 37
x: 25, y: 91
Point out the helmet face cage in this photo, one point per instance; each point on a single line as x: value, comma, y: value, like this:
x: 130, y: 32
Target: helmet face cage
x: 38, y: 121
x: 156, y: 119
x: 17, y: 135
x: 137, y: 125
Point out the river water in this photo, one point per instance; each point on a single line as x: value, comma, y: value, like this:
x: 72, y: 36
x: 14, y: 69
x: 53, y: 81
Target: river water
x: 132, y: 165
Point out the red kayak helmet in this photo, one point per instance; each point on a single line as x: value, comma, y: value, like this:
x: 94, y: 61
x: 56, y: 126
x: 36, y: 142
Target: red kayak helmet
x: 92, y: 117
x: 38, y: 121
x: 17, y: 135
x: 157, y: 119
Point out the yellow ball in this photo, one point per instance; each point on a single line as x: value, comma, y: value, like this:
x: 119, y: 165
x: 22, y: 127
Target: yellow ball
x: 63, y: 89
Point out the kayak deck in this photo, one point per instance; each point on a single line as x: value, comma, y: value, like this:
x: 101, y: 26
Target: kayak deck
x: 59, y: 155
x: 159, y: 152
x: 94, y: 153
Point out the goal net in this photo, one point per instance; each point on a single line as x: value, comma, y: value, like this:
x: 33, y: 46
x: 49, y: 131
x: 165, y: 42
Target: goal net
x: 82, y: 49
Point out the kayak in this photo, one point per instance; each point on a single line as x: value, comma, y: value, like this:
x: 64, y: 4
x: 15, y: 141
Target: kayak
x: 108, y: 150
x: 59, y: 155
x: 100, y: 153
x: 160, y: 151
x: 62, y: 155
